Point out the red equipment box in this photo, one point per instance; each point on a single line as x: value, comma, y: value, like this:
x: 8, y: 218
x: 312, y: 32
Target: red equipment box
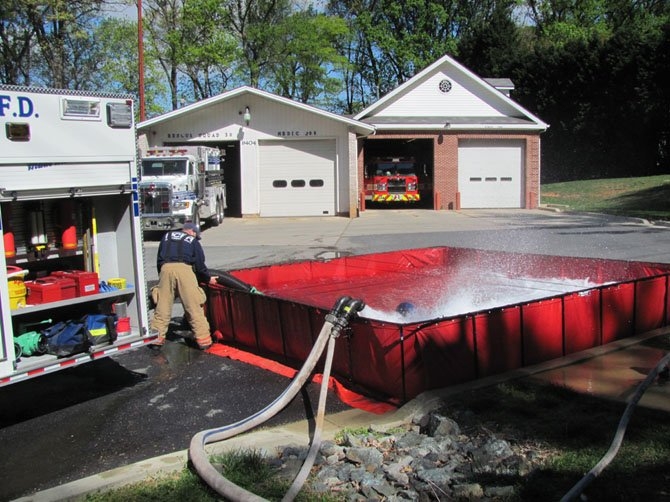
x: 86, y: 283
x: 68, y: 287
x: 43, y: 290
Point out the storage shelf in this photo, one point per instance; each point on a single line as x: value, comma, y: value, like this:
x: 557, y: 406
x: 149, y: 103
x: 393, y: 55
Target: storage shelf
x: 40, y: 256
x: 48, y: 362
x: 73, y: 301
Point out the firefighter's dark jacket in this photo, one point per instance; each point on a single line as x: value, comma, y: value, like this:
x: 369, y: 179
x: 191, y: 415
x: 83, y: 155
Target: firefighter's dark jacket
x: 179, y: 247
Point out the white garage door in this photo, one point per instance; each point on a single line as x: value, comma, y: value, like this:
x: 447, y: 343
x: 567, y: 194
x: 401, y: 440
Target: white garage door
x: 297, y: 178
x: 491, y: 173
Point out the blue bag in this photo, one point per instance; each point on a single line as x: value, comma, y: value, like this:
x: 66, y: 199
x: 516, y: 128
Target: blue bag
x: 100, y: 328
x: 66, y: 338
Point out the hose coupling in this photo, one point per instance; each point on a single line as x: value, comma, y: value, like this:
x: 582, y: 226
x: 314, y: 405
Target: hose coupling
x: 351, y: 309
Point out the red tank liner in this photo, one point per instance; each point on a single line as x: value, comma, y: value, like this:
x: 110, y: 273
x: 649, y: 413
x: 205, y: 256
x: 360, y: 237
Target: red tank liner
x: 396, y: 361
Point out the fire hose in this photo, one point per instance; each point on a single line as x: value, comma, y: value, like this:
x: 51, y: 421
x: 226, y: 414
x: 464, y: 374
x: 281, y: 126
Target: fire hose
x: 230, y: 281
x: 335, y: 321
x: 579, y: 488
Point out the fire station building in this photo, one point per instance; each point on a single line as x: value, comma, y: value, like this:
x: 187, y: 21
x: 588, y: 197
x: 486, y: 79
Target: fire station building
x: 473, y: 146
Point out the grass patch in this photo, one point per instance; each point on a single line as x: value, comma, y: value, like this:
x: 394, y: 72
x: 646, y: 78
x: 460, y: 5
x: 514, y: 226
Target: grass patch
x: 643, y: 197
x: 572, y: 431
x: 248, y: 469
x: 179, y: 487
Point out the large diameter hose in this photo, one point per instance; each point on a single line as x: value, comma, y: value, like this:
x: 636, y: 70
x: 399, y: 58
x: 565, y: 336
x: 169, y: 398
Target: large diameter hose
x: 198, y: 456
x: 230, y: 281
x: 350, y: 309
x: 300, y: 479
x: 577, y: 490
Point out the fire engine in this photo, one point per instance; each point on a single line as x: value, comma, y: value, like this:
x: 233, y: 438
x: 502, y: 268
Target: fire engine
x: 180, y: 184
x: 72, y: 240
x: 392, y: 179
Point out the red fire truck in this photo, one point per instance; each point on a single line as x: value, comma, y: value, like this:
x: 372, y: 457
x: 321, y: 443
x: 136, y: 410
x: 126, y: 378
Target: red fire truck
x: 392, y: 179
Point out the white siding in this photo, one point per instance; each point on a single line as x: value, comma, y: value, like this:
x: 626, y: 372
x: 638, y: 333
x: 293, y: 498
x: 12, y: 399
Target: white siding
x: 464, y: 99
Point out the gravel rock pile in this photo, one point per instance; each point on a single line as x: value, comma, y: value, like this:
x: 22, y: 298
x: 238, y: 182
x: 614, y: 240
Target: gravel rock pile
x: 427, y: 459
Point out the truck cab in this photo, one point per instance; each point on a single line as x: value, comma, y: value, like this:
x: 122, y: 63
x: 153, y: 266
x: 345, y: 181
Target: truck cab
x: 177, y: 186
x: 392, y: 179
x: 168, y: 188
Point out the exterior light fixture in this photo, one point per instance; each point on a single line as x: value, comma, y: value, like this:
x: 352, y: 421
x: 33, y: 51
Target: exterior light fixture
x: 247, y: 115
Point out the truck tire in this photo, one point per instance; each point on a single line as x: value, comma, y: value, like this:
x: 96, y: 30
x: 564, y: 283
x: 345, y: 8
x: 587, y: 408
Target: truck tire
x: 217, y: 219
x: 196, y: 217
x: 220, y: 210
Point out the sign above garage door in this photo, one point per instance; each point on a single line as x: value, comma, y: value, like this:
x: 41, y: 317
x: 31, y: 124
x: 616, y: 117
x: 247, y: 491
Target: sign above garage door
x: 297, y: 178
x: 491, y: 173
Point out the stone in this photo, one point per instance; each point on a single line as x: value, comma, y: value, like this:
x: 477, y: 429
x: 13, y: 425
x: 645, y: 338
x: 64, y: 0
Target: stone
x: 439, y: 426
x: 440, y: 463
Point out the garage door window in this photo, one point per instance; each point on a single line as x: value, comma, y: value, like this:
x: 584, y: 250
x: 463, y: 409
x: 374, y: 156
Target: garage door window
x: 298, y: 183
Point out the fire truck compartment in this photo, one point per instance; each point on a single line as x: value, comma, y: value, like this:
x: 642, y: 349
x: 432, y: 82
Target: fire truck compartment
x: 436, y: 317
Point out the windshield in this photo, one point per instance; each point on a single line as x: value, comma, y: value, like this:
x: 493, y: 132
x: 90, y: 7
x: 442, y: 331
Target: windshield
x: 392, y: 168
x: 164, y: 167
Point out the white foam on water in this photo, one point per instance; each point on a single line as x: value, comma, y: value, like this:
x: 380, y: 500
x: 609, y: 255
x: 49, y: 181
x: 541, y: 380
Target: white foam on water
x: 487, y: 292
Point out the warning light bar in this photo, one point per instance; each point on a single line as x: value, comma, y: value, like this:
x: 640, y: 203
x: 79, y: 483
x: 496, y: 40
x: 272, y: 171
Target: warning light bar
x: 82, y: 109
x: 166, y: 152
x: 120, y: 115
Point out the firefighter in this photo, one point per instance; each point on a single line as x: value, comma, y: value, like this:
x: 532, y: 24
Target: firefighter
x: 181, y: 268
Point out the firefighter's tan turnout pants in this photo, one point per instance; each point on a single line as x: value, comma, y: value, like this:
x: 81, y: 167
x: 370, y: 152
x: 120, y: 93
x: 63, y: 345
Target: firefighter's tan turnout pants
x: 179, y: 279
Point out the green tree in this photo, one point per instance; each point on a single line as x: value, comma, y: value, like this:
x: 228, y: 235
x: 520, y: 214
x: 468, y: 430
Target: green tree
x: 208, y: 51
x: 253, y: 24
x: 162, y: 23
x: 394, y: 40
x: 492, y: 39
x: 51, y: 41
x: 595, y: 71
x: 16, y: 36
x: 118, y: 68
x: 310, y: 64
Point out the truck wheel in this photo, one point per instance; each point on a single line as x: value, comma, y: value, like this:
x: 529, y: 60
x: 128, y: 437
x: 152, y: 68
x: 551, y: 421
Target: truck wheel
x: 219, y: 211
x: 196, y: 218
x: 217, y: 219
